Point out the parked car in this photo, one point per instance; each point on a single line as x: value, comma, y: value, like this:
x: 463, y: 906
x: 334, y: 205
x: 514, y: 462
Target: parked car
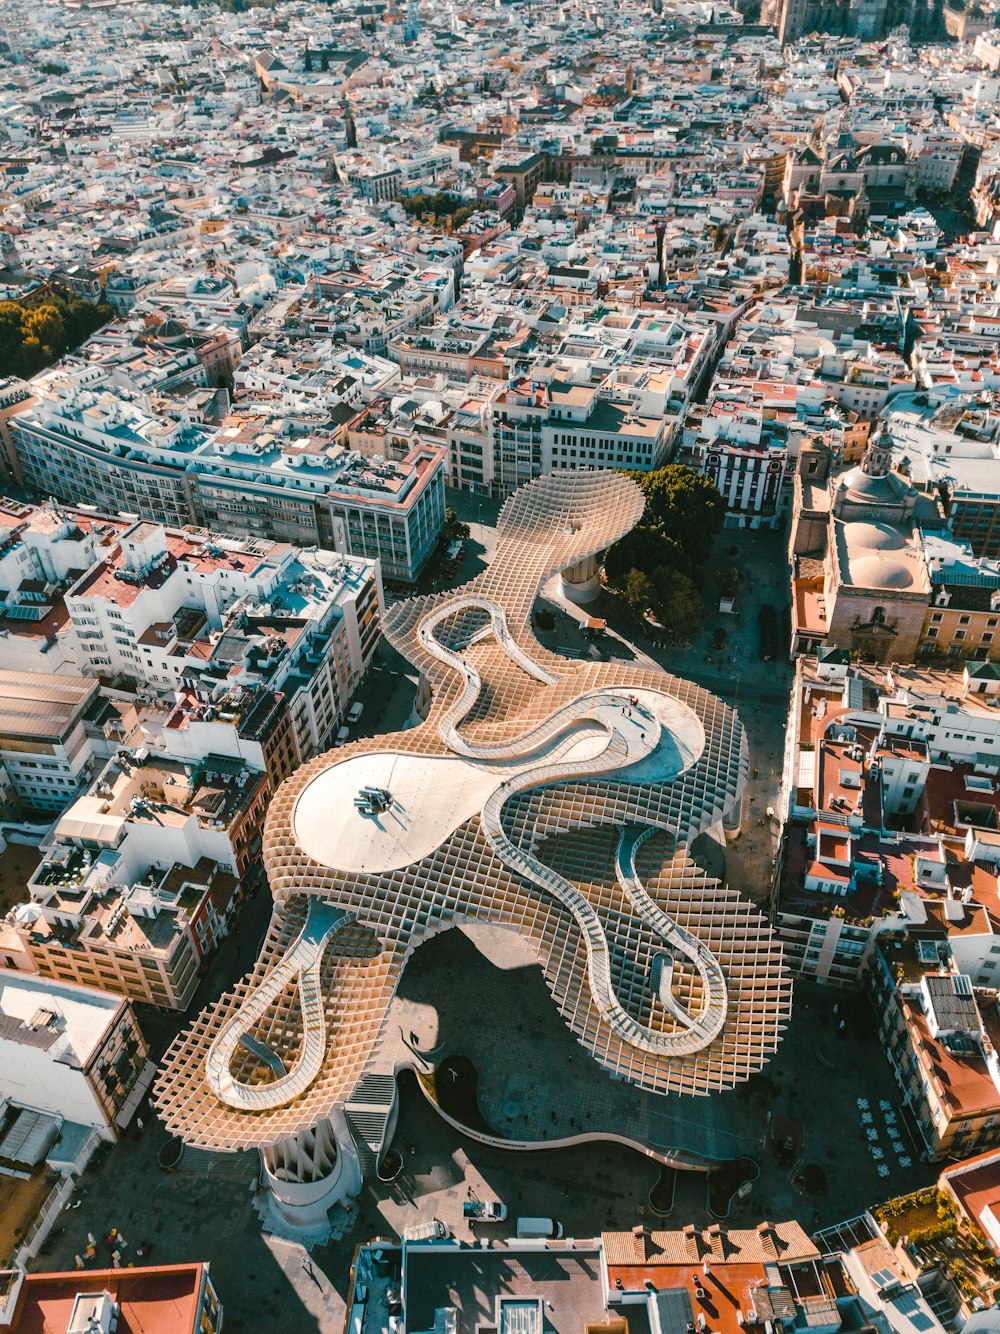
x: 342, y: 736
x: 484, y: 1211
x: 355, y: 711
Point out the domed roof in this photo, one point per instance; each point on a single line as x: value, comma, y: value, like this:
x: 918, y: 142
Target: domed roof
x: 861, y: 485
x: 874, y: 536
x: 877, y: 571
x: 171, y: 330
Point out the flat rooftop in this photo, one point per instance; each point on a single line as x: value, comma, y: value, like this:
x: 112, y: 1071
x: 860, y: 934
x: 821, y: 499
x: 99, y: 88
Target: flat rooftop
x: 39, y: 704
x: 154, y: 1300
x: 567, y: 1281
x: 83, y: 1015
x: 432, y: 795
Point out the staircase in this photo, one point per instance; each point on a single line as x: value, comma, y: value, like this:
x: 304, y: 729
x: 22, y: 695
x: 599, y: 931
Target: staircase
x: 368, y: 1113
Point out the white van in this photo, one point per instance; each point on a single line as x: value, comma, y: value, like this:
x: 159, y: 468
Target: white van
x: 538, y: 1227
x: 342, y: 736
x: 355, y: 711
x: 434, y: 1230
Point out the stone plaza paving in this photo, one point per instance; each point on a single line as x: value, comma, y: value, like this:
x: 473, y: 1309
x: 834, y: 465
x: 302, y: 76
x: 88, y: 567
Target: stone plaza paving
x: 486, y: 996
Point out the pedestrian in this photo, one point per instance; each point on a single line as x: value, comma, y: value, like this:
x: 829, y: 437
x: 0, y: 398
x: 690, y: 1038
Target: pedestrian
x: 138, y: 1123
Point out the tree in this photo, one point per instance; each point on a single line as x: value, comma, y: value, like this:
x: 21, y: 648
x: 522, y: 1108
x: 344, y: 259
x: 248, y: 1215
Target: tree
x: 324, y: 61
x: 639, y: 592
x: 729, y: 581
x: 684, y: 513
x: 308, y: 61
x: 44, y: 326
x: 36, y: 332
x: 677, y: 605
x: 454, y: 529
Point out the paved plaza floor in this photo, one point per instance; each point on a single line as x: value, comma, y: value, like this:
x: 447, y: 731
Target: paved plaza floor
x: 484, y: 998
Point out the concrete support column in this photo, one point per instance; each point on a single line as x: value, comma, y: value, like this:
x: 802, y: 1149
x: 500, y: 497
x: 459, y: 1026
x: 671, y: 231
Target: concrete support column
x: 309, y: 1173
x: 581, y: 583
x: 422, y: 702
x: 732, y: 821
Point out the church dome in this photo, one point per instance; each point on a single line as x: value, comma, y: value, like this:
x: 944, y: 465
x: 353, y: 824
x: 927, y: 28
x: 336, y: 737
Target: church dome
x: 873, y: 537
x: 866, y: 486
x: 878, y: 571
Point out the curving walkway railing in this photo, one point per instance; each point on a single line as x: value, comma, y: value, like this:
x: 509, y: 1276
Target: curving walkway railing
x: 713, y: 1015
x: 303, y: 961
x: 631, y: 734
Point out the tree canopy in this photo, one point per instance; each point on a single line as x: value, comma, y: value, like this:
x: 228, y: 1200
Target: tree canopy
x: 37, y: 332
x: 657, y: 566
x: 683, y: 516
x: 441, y: 205
x: 454, y: 529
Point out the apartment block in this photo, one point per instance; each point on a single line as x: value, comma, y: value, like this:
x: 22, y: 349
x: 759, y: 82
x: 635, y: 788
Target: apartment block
x: 145, y: 877
x: 71, y: 1051
x: 204, y: 624
x: 52, y: 737
x: 250, y: 477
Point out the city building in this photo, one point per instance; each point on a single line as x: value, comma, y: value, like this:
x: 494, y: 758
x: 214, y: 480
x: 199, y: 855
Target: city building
x: 73, y: 1052
x: 179, y: 1299
x: 939, y: 1035
x: 207, y: 622
x: 144, y: 877
x: 52, y: 738
x: 737, y: 1278
x: 250, y: 477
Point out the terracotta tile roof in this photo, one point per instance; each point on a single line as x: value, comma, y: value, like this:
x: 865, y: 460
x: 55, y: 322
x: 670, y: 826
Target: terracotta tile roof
x: 161, y: 1299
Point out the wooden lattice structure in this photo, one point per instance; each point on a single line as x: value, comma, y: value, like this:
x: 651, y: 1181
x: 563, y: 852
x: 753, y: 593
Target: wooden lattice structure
x: 686, y: 995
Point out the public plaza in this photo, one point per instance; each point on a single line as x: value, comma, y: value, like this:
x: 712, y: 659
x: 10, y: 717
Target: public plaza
x: 554, y: 798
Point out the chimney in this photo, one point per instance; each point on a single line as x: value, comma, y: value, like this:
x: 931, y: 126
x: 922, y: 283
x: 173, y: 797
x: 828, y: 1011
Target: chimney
x: 768, y: 1236
x: 645, y: 1239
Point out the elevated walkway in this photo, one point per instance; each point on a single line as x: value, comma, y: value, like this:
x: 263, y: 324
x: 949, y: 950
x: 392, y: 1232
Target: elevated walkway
x: 302, y: 963
x: 708, y: 1024
x: 632, y: 734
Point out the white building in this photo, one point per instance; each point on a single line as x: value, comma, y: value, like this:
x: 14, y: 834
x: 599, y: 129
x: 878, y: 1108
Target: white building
x: 71, y: 1051
x: 51, y: 736
x: 198, y: 619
